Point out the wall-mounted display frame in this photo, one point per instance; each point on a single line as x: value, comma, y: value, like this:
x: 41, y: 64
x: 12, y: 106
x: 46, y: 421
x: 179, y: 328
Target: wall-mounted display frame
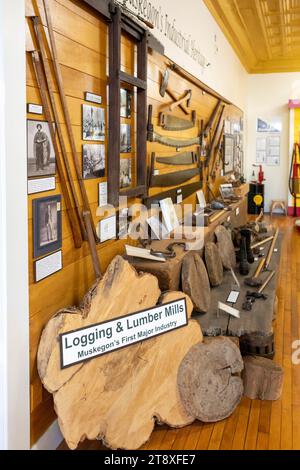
x: 93, y: 123
x: 229, y: 151
x: 47, y: 225
x: 41, y: 159
x: 93, y: 161
x: 126, y: 103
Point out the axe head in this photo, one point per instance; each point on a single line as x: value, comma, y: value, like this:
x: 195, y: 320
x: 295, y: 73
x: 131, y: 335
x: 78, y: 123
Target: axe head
x: 164, y: 83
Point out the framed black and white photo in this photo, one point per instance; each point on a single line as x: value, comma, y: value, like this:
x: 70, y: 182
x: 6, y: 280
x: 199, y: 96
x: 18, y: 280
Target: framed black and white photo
x: 229, y: 147
x: 125, y: 173
x: 47, y: 225
x: 125, y: 138
x: 126, y: 101
x: 92, y: 98
x: 41, y: 159
x: 93, y: 161
x: 93, y: 123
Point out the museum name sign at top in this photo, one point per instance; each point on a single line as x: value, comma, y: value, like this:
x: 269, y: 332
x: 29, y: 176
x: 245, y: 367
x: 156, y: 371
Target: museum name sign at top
x: 167, y: 27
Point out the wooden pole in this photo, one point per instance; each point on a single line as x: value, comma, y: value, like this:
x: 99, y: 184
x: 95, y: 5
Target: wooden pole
x: 263, y: 242
x: 70, y: 209
x: 271, y: 249
x: 259, y: 269
x: 38, y: 36
x: 59, y: 80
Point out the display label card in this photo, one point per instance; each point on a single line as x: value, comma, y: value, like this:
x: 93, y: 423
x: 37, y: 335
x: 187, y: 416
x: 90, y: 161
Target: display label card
x: 92, y: 98
x: 103, y: 194
x: 34, y: 109
x: 47, y: 266
x: 237, y: 211
x: 87, y: 343
x: 227, y: 309
x: 233, y: 297
x: 108, y: 229
x: 41, y: 185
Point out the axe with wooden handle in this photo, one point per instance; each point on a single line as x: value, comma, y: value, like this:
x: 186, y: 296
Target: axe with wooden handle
x: 164, y: 89
x: 187, y: 97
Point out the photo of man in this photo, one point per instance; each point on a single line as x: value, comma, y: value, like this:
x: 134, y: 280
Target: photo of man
x: 40, y: 151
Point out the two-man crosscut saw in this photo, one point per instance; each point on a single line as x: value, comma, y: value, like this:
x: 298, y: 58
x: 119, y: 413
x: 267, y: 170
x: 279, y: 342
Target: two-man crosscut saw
x: 170, y: 142
x: 90, y: 231
x: 175, y: 123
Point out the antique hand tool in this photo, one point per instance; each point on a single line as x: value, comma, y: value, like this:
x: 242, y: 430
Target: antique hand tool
x: 72, y: 216
x: 174, y: 123
x: 164, y: 89
x: 251, y: 297
x: 172, y: 179
x: 89, y: 226
x: 45, y: 78
x: 184, y: 191
x: 271, y: 250
x: 254, y: 281
x: 261, y: 243
x: 217, y: 151
x: 205, y: 131
x: 187, y: 97
x: 185, y: 158
x: 155, y: 137
x: 213, y: 141
x: 169, y: 253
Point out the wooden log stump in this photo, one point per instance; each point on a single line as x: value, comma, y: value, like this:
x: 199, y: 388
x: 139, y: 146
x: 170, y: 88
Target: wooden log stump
x: 195, y: 282
x: 225, y: 247
x: 208, y: 385
x: 263, y: 379
x: 214, y: 264
x: 117, y: 397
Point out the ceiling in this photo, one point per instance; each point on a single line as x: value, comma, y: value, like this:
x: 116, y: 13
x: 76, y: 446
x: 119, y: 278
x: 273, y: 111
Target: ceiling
x: 264, y: 33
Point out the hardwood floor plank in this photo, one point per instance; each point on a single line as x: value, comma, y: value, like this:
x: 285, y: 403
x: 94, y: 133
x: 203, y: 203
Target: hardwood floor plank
x: 252, y: 431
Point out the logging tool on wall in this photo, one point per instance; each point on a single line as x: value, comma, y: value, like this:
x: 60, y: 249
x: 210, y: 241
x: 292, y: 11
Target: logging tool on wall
x: 42, y: 70
x: 294, y: 178
x: 164, y: 88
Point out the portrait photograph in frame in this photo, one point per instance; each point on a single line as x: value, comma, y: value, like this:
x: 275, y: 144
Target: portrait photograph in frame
x: 47, y: 225
x: 41, y: 159
x: 126, y: 102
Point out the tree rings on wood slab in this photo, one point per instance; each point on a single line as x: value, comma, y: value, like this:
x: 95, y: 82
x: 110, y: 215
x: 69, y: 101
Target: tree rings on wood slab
x: 209, y: 386
x: 263, y: 379
x: 214, y: 264
x: 225, y: 247
x: 195, y: 282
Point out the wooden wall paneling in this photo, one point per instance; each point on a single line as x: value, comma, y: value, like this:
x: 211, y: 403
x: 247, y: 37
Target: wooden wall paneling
x: 82, y: 43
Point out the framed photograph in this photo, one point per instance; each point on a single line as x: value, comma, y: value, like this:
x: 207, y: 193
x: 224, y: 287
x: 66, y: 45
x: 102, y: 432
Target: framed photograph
x: 229, y: 146
x: 126, y: 101
x: 41, y: 159
x: 35, y: 109
x: 125, y: 173
x: 125, y: 138
x: 47, y: 225
x: 226, y: 191
x: 93, y: 123
x: 93, y: 161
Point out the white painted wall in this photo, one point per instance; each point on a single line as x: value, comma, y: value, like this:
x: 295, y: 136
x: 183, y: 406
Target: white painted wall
x: 267, y: 97
x: 14, y: 312
x: 226, y: 75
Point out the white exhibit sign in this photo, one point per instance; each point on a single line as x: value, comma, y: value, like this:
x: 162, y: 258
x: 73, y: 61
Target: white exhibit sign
x: 41, y: 185
x: 47, y: 266
x: 96, y: 340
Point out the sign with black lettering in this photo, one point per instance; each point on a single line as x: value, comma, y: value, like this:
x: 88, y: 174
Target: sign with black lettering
x: 96, y: 340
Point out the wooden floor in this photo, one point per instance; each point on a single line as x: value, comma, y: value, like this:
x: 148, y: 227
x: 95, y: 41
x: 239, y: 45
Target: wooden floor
x: 255, y: 425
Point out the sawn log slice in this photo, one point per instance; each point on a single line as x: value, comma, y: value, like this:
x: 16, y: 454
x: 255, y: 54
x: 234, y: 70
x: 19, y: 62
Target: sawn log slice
x: 117, y: 397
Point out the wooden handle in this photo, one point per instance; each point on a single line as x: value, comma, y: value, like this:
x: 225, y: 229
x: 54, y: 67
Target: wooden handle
x: 263, y: 242
x: 260, y: 217
x: 266, y: 283
x: 175, y: 99
x: 178, y: 102
x: 216, y: 216
x: 259, y: 268
x: 271, y: 250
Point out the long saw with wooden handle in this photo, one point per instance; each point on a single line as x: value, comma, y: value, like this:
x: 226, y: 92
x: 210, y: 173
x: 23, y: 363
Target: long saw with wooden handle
x: 59, y: 81
x: 70, y: 210
x: 38, y: 37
